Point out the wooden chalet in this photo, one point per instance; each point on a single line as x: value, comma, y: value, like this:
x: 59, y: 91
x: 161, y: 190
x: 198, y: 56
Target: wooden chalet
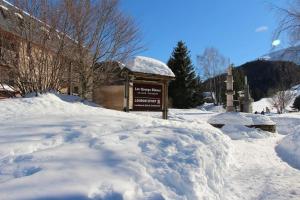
x: 140, y: 85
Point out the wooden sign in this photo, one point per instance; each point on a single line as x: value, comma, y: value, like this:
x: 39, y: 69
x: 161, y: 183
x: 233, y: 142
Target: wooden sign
x: 147, y: 97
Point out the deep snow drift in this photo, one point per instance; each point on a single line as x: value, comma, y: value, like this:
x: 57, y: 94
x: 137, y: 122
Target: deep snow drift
x: 289, y: 148
x: 56, y: 149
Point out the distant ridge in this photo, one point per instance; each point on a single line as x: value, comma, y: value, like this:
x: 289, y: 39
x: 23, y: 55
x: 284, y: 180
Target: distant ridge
x: 291, y: 54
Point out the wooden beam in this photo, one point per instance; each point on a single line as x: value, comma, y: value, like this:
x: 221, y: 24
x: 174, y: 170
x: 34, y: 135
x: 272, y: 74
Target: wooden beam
x: 127, y: 93
x: 165, y: 100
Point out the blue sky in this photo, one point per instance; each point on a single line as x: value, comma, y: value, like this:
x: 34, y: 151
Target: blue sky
x: 241, y: 29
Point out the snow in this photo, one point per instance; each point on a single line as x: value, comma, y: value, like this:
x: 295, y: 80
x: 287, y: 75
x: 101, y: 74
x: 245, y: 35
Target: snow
x: 237, y: 118
x: 289, y: 148
x: 56, y: 149
x: 149, y: 65
x: 288, y: 54
x: 238, y: 132
x: 3, y: 7
x: 59, y: 147
x: 286, y: 123
x: 260, y: 173
x: 211, y: 107
x: 256, y: 171
x: 5, y: 87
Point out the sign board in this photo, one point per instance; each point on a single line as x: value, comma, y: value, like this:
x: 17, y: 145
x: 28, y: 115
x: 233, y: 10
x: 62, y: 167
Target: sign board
x: 147, y: 97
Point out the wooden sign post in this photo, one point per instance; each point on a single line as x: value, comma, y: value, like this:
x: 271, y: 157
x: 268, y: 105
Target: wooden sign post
x: 147, y: 97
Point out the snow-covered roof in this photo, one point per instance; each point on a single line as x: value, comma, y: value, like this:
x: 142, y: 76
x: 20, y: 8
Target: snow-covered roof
x: 5, y: 87
x: 149, y: 66
x: 33, y: 17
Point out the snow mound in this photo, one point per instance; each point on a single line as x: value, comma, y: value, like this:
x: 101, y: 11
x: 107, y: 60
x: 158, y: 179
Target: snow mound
x: 150, y: 66
x: 238, y: 132
x: 45, y: 104
x: 56, y: 149
x: 286, y: 123
x: 289, y: 149
x: 210, y: 107
x: 238, y: 118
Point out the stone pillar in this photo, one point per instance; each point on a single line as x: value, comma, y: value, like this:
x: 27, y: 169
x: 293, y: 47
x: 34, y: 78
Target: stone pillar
x: 247, y: 98
x: 229, y: 91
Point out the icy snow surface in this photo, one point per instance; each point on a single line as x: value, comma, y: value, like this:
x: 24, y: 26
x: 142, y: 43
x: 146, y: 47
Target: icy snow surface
x: 149, y: 65
x: 56, y: 149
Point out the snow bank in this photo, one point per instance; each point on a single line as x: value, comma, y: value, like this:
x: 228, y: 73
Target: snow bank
x: 238, y: 118
x: 238, y: 132
x: 286, y: 123
x: 150, y: 66
x: 54, y: 149
x: 210, y: 107
x: 235, y: 125
x: 289, y: 149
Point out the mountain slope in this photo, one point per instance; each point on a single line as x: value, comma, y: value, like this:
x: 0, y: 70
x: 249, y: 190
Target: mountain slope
x: 291, y: 54
x: 264, y: 77
x: 267, y: 76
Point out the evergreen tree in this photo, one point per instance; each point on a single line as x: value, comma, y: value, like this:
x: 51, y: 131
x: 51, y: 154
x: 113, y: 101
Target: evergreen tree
x: 186, y: 90
x: 296, y: 104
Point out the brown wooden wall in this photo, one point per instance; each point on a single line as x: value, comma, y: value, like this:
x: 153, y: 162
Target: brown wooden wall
x: 111, y: 97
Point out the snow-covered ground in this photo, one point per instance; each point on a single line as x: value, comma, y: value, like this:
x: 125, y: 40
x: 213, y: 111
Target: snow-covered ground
x: 54, y: 147
x: 260, y: 174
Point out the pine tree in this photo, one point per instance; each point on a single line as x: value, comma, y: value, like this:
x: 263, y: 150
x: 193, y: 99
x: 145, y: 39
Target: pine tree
x: 186, y: 90
x: 296, y: 104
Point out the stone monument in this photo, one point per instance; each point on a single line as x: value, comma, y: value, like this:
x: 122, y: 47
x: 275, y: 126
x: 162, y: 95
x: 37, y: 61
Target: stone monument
x: 229, y: 90
x: 247, y: 100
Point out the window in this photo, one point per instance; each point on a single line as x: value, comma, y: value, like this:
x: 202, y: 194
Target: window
x: 11, y: 80
x: 76, y: 90
x: 28, y: 49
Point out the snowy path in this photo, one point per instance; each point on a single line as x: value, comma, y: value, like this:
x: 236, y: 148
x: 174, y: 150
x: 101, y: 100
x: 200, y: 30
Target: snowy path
x: 260, y: 173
